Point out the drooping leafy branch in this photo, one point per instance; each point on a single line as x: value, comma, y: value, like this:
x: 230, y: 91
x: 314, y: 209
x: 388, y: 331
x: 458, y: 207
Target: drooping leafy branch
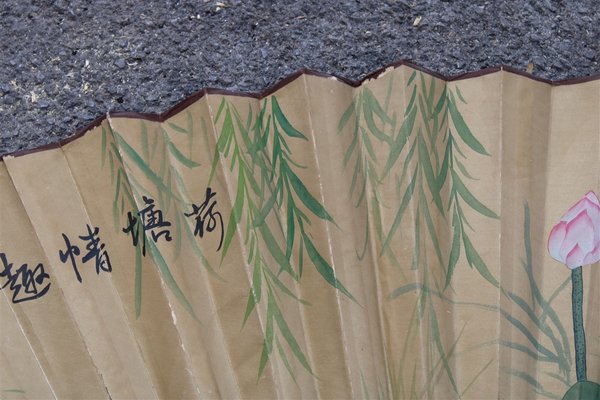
x: 169, y: 186
x: 429, y: 122
x: 428, y: 181
x: 268, y: 188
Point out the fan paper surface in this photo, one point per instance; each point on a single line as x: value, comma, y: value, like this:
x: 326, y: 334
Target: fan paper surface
x: 323, y: 241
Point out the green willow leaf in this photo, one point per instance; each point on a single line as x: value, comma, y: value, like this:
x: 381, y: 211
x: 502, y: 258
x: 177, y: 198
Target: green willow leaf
x: 426, y: 118
x: 441, y: 178
x: 118, y: 186
x: 276, y: 155
x: 236, y: 213
x: 264, y: 138
x: 417, y: 245
x: 268, y: 342
x: 463, y: 130
x: 257, y: 280
x: 112, y: 162
x: 411, y: 78
x: 363, y: 191
x: 244, y: 132
x: 283, y: 122
x: 411, y: 102
x: 346, y: 116
x: 424, y: 91
x: 405, y: 199
x: 301, y: 257
x: 430, y: 97
x: 460, y: 96
x: 304, y: 195
x: 141, y: 164
x: 284, y: 288
x: 464, y: 171
x: 430, y: 227
x: 405, y: 165
x: 357, y: 170
x: 429, y: 175
x: 441, y: 102
x: 252, y: 181
x: 227, y: 132
x: 367, y: 142
x: 220, y: 109
x: 177, y: 128
x: 285, y: 360
x: 468, y: 197
x: 376, y: 107
x: 254, y: 295
x: 260, y: 219
x: 250, y: 305
x: 213, y: 166
x: 351, y: 148
x: 324, y: 268
x: 163, y: 267
x: 291, y: 340
x: 361, y: 255
x: 411, y: 287
x: 276, y: 252
x: 145, y: 145
x: 104, y: 148
x: 290, y: 226
x: 400, y: 141
x: 180, y: 157
x: 454, y: 251
x: 371, y: 125
x: 474, y: 260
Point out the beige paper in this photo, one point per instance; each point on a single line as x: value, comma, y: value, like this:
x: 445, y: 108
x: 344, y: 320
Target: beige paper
x: 386, y: 239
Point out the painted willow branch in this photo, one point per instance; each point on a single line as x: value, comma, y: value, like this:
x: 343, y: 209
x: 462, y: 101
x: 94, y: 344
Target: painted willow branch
x: 258, y: 147
x: 430, y: 120
x: 170, y: 189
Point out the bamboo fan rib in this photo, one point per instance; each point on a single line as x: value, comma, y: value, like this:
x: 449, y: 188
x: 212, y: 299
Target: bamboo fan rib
x: 387, y: 239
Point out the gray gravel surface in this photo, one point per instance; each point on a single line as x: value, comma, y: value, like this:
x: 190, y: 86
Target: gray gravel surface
x: 64, y: 63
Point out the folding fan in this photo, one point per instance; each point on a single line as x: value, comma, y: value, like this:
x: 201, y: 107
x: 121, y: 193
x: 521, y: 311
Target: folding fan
x: 325, y: 239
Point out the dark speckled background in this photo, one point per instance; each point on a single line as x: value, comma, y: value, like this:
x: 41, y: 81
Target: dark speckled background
x: 64, y: 63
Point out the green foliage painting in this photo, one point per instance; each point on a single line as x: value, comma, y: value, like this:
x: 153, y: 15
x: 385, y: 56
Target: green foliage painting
x: 256, y: 150
x: 171, y: 193
x: 435, y: 181
x: 408, y: 160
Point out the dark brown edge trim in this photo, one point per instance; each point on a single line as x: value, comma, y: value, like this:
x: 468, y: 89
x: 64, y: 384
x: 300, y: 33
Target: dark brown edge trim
x: 161, y: 117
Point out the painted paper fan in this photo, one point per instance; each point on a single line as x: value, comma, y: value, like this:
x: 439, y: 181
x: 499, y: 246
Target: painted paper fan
x: 409, y: 236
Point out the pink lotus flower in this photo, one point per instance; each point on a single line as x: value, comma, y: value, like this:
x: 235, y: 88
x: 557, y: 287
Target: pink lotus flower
x: 575, y: 240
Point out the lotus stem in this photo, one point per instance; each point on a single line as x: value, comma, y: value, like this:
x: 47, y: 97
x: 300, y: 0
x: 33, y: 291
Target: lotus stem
x: 577, y: 299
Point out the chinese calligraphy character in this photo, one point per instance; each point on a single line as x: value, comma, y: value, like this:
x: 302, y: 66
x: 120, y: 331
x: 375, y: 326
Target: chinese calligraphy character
x: 69, y: 255
x: 151, y: 220
x: 206, y: 217
x: 25, y: 279
x: 132, y: 228
x: 95, y: 251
